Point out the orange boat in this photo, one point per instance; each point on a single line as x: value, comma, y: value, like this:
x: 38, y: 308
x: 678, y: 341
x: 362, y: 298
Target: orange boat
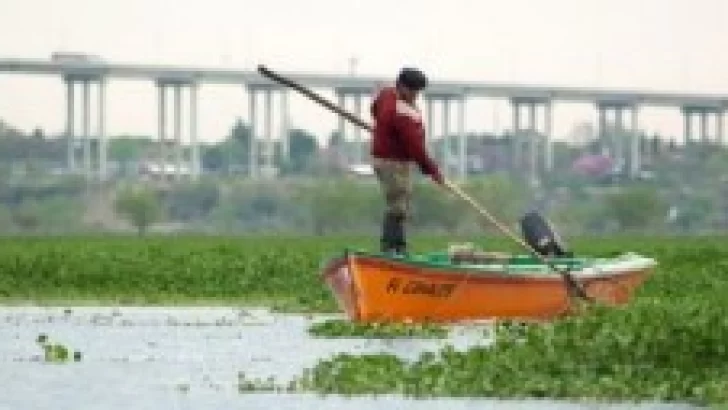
x: 438, y: 287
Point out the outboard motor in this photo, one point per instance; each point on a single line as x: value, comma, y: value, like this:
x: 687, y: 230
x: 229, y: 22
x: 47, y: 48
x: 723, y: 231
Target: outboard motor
x: 538, y: 233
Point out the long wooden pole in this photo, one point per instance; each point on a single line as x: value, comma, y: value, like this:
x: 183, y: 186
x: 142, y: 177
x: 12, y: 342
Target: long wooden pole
x: 573, y: 287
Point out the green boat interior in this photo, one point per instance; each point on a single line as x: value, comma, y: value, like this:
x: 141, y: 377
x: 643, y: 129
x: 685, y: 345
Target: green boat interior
x: 458, y: 259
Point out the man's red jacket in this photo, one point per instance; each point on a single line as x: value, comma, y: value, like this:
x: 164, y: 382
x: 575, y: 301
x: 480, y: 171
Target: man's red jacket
x: 399, y: 132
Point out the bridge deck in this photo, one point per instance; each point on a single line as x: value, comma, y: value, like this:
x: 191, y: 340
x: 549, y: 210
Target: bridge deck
x: 333, y: 81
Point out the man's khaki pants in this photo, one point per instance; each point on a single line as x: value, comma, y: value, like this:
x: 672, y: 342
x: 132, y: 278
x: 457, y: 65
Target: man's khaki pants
x: 395, y: 178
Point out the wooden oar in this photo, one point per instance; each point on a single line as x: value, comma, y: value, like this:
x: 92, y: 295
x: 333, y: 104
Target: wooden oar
x: 572, y: 286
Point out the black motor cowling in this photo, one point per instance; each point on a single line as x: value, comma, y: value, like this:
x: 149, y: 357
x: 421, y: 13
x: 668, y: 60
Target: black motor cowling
x: 538, y: 233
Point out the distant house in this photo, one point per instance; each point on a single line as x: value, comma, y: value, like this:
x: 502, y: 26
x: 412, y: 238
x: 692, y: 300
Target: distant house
x: 156, y: 170
x: 360, y: 170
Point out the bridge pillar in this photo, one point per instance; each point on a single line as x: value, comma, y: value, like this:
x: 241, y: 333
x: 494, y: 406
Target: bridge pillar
x: 446, y: 135
x: 635, y: 159
x: 195, y: 145
x: 70, y: 129
x: 173, y: 160
x: 687, y: 125
x: 720, y: 138
x: 262, y: 155
x: 355, y: 152
x: 463, y: 144
x: 548, y: 133
x: 536, y: 139
x: 268, y: 165
x: 285, y: 126
x: 88, y: 142
x: 429, y: 118
x: 621, y: 142
x: 704, y: 134
x: 451, y: 161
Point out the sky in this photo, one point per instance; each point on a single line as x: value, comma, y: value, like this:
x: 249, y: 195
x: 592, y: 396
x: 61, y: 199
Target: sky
x: 661, y: 45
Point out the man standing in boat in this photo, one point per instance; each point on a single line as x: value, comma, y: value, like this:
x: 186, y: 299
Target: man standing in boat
x: 398, y: 143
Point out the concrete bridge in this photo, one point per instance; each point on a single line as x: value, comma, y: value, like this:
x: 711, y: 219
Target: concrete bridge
x: 84, y: 71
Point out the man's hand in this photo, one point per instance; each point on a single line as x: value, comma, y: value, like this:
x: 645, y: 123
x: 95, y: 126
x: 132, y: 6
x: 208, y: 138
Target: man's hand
x: 438, y: 178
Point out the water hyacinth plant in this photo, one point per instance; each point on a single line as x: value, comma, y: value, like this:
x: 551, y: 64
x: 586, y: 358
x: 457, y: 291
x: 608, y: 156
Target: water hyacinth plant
x: 345, y: 328
x: 669, y: 344
x: 55, y: 352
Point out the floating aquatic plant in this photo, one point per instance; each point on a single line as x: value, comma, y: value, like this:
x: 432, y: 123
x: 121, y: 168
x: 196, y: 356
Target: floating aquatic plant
x: 345, y: 328
x: 55, y: 352
x: 669, y: 344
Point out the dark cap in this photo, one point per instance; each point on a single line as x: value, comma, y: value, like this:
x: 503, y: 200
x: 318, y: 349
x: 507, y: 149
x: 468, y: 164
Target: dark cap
x: 412, y: 78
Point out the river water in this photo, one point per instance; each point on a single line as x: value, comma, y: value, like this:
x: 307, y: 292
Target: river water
x: 191, y: 357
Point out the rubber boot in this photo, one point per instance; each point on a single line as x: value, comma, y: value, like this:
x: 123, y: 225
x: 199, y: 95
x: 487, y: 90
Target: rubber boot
x: 388, y: 241
x: 393, y: 235
x: 399, y: 235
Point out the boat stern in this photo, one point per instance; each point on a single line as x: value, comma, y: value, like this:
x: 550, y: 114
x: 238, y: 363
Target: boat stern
x: 338, y: 276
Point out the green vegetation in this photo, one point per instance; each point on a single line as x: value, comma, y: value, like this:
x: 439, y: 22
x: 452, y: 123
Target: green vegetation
x: 339, y: 205
x: 55, y: 352
x: 681, y: 189
x: 282, y: 272
x: 635, y: 208
x: 668, y: 344
x: 344, y: 328
x: 257, y: 384
x: 140, y: 206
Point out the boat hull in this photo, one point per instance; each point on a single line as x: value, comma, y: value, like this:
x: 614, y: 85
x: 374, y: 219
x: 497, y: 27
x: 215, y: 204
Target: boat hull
x: 380, y: 289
